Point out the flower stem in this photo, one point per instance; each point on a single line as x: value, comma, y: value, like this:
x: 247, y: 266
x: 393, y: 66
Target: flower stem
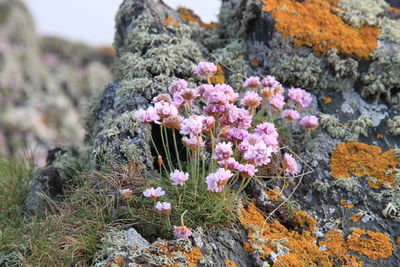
x: 176, y: 149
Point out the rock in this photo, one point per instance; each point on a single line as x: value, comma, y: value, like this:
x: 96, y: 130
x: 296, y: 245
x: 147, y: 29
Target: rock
x: 356, y: 86
x: 49, y: 182
x: 134, y: 240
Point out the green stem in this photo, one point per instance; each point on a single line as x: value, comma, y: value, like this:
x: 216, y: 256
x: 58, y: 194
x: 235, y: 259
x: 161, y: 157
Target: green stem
x: 155, y: 147
x: 176, y: 150
x: 165, y: 148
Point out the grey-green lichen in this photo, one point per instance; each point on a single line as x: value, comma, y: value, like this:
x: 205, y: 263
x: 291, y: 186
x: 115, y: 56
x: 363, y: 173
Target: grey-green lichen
x: 383, y: 77
x: 315, y: 73
x: 350, y: 184
x: 393, y: 125
x: 370, y: 12
x: 349, y: 131
x: 115, y: 244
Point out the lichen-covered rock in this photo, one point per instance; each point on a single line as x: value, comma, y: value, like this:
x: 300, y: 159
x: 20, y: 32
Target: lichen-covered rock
x: 322, y: 217
x: 49, y: 182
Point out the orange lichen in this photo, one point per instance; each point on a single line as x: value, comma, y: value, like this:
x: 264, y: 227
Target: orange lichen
x: 326, y: 99
x: 170, y: 20
x: 264, y: 238
x: 336, y: 245
x: 305, y: 221
x: 344, y: 203
x: 379, y: 136
x: 192, y: 256
x: 274, y: 194
x: 189, y: 16
x: 219, y: 76
x: 364, y: 160
x: 314, y: 23
x: 107, y: 51
x: 115, y: 262
x: 371, y: 244
x: 355, y: 217
x: 255, y: 62
x: 262, y: 234
x: 230, y: 263
x: 398, y: 242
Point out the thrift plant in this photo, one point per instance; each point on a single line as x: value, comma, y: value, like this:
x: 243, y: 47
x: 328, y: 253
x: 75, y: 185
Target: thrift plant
x: 225, y: 145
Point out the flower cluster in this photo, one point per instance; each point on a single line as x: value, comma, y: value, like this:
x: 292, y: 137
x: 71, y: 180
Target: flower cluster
x: 237, y: 143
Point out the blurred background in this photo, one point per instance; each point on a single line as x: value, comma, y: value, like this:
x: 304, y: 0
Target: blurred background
x: 55, y: 55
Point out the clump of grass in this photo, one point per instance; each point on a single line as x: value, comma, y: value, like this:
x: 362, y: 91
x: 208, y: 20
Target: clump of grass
x: 68, y: 234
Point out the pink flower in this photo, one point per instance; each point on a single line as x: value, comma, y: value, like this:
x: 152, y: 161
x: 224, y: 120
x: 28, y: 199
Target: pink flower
x: 164, y: 207
x: 215, y: 109
x: 236, y: 117
x: 235, y: 134
x: 148, y: 115
x: 290, y: 114
x: 217, y: 180
x: 193, y: 143
x: 258, y: 154
x: 182, y: 232
x: 177, y: 100
x: 153, y: 194
x: 309, y: 122
x: 205, y: 69
x: 277, y: 101
x: 162, y: 98
x: 251, y: 99
x: 126, y: 193
x: 205, y: 89
x: 230, y: 164
x: 267, y: 92
x: 252, y: 82
x: 208, y: 123
x: 179, y: 177
x: 223, y: 151
x: 192, y: 125
x: 188, y: 95
x: 165, y: 110
x: 250, y: 140
x: 267, y: 128
x: 228, y: 91
x: 289, y: 164
x: 270, y: 82
x: 247, y: 170
x: 178, y: 86
x: 271, y: 141
x: 300, y: 96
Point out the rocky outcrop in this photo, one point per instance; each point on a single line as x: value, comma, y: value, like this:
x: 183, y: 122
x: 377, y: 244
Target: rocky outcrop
x: 355, y: 90
x: 45, y: 85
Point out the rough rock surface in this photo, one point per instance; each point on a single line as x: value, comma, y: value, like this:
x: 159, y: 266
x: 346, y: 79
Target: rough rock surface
x: 359, y: 95
x: 45, y: 85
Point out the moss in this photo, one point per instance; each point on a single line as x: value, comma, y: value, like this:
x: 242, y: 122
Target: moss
x: 393, y: 125
x: 371, y: 244
x: 371, y: 12
x: 230, y: 59
x: 350, y: 131
x: 299, y: 19
x: 361, y: 13
x: 383, y: 77
x: 363, y: 160
x: 305, y: 72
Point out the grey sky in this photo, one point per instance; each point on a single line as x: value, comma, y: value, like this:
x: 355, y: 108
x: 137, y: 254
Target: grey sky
x: 92, y: 21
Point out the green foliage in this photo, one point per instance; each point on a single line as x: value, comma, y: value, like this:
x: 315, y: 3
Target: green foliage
x: 67, y: 236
